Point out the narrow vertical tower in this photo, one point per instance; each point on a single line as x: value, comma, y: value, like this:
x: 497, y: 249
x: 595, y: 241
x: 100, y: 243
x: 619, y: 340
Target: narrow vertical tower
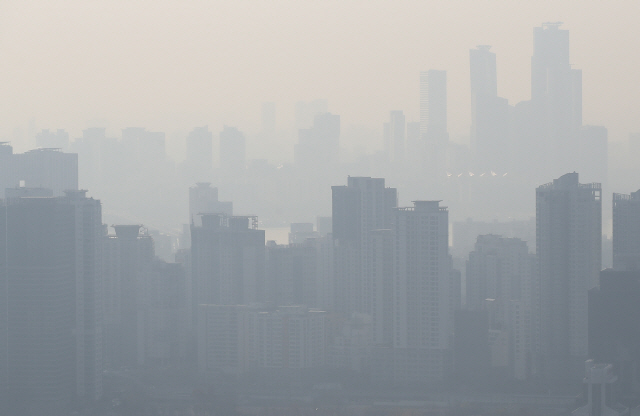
x: 568, y: 239
x: 423, y: 309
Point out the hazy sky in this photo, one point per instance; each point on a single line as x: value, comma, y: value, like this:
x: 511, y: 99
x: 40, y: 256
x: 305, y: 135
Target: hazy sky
x: 170, y: 65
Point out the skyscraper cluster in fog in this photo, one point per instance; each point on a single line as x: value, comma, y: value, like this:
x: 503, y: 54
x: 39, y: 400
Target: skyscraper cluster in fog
x: 171, y: 279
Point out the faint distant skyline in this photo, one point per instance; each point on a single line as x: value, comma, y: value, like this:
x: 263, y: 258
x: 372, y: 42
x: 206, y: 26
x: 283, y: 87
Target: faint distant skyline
x: 170, y: 65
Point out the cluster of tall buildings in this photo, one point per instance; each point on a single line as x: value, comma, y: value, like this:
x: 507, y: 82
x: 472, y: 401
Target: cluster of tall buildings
x: 374, y: 288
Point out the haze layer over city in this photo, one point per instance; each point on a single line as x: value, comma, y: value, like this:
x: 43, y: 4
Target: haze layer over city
x: 328, y: 208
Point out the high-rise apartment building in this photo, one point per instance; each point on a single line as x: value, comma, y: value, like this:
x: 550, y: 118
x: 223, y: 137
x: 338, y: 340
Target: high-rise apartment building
x: 568, y: 239
x: 556, y: 94
x: 52, y: 295
x: 228, y: 260
x: 433, y: 106
x: 234, y: 339
x: 58, y: 139
x: 128, y: 257
x: 306, y: 112
x: 626, y: 231
x: 360, y: 208
x: 614, y: 330
x: 423, y: 311
x: 498, y: 280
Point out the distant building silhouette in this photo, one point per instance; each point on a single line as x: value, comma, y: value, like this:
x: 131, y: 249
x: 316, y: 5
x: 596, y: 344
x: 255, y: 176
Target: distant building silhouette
x: 144, y: 146
x: 232, y: 151
x: 569, y: 238
x: 433, y: 121
x: 199, y: 160
x: 306, y: 112
x: 203, y: 199
x: 489, y: 114
x: 556, y: 93
x: 433, y: 106
x: 58, y: 139
x: 318, y: 147
x: 394, y: 137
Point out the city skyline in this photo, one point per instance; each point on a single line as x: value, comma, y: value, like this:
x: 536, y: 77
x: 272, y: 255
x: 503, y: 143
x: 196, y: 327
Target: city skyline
x: 163, y: 91
x: 417, y: 272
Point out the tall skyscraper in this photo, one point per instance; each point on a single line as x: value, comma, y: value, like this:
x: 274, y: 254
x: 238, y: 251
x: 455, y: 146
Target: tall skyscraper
x: 568, y: 239
x: 556, y: 93
x: 433, y: 106
x: 423, y: 311
x: 433, y: 122
x: 359, y: 209
x: 128, y: 258
x: 626, y: 231
x: 52, y: 295
x: 489, y: 113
